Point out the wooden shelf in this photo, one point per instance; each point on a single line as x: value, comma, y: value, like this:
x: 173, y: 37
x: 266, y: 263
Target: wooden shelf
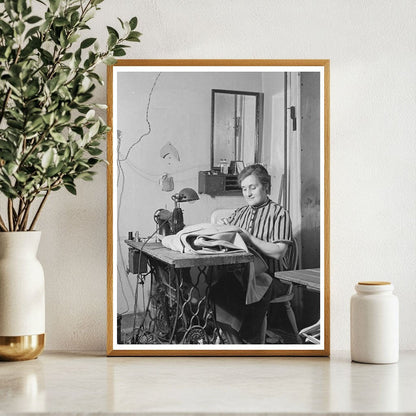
x: 218, y: 184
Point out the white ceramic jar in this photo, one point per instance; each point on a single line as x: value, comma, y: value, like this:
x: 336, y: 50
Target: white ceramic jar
x: 374, y: 323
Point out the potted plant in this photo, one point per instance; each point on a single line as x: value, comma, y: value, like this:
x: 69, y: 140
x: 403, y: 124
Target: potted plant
x: 50, y: 136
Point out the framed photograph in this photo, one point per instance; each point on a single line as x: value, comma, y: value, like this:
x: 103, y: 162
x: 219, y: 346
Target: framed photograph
x: 218, y: 208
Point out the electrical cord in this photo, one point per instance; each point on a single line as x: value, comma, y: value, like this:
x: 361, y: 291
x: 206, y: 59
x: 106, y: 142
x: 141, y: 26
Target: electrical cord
x: 149, y: 128
x: 122, y: 177
x: 139, y: 274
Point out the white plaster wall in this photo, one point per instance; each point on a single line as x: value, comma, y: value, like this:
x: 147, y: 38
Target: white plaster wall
x: 179, y: 113
x: 371, y: 45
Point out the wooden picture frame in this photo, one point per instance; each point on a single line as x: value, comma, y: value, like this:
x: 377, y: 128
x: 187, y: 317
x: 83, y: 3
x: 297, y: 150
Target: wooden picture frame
x: 162, y: 302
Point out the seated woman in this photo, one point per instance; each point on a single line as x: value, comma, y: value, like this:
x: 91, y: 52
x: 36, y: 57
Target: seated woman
x: 241, y: 300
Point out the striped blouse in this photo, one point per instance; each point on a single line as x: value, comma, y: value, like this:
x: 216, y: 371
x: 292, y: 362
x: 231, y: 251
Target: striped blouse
x: 269, y: 222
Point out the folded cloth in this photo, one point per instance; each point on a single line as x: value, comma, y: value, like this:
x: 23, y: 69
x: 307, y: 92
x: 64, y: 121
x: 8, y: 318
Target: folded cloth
x: 206, y: 238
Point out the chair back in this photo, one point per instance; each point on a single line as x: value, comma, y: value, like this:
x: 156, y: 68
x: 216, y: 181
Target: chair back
x: 290, y: 261
x: 219, y: 214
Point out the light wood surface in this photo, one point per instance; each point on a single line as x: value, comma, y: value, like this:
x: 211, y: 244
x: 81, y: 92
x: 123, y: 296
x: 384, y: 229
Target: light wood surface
x: 84, y: 384
x: 310, y: 278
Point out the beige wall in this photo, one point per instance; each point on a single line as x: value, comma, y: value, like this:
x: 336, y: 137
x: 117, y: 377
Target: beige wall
x: 373, y: 196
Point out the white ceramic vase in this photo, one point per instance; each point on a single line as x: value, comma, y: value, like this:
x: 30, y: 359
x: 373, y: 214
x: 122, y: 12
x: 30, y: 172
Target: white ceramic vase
x: 22, y: 296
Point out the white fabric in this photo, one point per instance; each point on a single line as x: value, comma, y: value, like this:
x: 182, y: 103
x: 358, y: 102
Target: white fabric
x: 206, y: 238
x: 211, y: 239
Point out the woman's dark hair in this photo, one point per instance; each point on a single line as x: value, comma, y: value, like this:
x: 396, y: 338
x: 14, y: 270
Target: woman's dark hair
x: 260, y: 171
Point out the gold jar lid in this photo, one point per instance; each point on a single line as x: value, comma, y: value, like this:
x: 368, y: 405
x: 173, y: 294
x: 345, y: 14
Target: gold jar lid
x: 374, y: 283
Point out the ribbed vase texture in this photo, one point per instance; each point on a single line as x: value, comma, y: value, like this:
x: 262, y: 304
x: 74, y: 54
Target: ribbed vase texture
x: 22, y: 296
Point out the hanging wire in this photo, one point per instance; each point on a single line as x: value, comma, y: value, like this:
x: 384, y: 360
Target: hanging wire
x: 149, y: 128
x: 121, y: 177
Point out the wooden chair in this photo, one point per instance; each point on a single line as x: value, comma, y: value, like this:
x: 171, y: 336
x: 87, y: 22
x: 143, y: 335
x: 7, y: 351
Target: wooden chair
x: 292, y: 264
x: 312, y: 333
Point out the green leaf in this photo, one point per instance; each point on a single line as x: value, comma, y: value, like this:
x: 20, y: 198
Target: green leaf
x: 74, y: 18
x: 54, y: 4
x: 32, y: 31
x: 111, y: 30
x: 133, y: 23
x: 94, y: 129
x: 21, y: 6
x: 119, y: 52
x: 11, y: 168
x: 52, y: 171
x: 94, y: 151
x: 90, y: 115
x: 92, y: 161
x: 61, y: 21
x: 86, y: 176
x: 87, y: 42
x: 88, y: 16
x: 8, y: 191
x: 78, y: 154
x: 5, y: 28
x: 60, y: 138
x: 31, y: 90
x: 134, y: 37
x: 34, y: 125
x: 112, y: 41
x: 67, y: 153
x: 20, y: 27
x: 110, y: 60
x: 70, y: 188
x: 49, y: 118
x: 121, y: 22
x: 21, y: 177
x: 73, y: 38
x: 10, y: 7
x: 33, y: 19
x: 53, y: 83
x: 63, y: 41
x: 47, y: 158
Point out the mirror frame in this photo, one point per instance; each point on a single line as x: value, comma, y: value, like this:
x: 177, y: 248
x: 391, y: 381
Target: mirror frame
x: 259, y: 117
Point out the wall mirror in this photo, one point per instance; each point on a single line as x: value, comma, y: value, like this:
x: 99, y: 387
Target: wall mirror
x: 236, y: 122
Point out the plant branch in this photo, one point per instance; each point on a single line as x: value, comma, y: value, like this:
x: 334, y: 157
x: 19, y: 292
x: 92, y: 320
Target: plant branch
x: 26, y: 216
x: 39, y: 210
x: 10, y: 213
x: 35, y: 145
x: 2, y: 225
x: 19, y: 215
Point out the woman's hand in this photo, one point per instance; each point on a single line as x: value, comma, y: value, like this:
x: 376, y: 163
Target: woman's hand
x: 246, y: 236
x: 274, y: 250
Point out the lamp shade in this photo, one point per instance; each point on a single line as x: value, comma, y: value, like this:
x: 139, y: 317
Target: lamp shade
x: 185, y: 195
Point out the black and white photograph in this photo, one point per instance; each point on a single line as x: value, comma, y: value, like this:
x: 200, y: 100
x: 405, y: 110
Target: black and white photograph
x: 218, y: 217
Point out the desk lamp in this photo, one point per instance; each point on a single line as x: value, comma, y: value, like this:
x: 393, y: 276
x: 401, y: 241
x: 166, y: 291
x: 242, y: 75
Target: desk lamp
x: 172, y: 222
x: 185, y: 195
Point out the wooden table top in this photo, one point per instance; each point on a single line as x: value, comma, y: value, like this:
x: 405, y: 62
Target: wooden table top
x: 311, y: 278
x: 181, y: 260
